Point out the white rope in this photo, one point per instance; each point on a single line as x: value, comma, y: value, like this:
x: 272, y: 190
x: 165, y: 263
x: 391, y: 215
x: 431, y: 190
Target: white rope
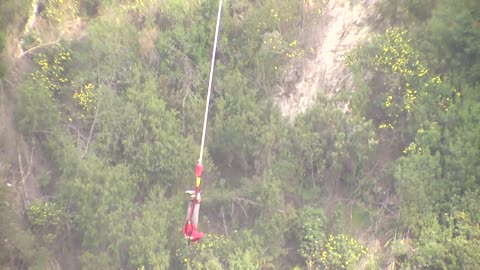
x: 205, y: 119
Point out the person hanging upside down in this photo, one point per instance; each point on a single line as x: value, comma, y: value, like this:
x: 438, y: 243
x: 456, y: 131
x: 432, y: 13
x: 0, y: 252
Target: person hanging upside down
x: 191, y: 227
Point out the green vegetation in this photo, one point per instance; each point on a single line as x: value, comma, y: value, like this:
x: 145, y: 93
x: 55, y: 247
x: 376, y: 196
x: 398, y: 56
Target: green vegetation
x: 115, y: 109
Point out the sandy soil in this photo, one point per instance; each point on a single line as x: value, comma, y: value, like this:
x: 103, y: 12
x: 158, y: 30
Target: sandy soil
x: 346, y: 26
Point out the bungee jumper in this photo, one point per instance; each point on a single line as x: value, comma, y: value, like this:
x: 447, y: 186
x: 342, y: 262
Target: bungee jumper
x: 190, y: 230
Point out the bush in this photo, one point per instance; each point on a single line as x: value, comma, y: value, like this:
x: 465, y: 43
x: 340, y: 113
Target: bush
x: 310, y: 234
x: 35, y: 109
x: 45, y: 218
x: 341, y: 252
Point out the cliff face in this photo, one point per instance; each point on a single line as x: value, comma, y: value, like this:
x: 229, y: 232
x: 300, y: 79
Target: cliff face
x: 343, y: 26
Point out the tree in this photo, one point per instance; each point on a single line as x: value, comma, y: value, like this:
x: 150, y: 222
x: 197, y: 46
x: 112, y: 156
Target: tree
x: 98, y: 199
x: 416, y: 184
x: 449, y: 38
x: 35, y: 110
x: 330, y: 146
x: 450, y: 242
x: 141, y: 131
x: 11, y: 11
x: 234, y: 130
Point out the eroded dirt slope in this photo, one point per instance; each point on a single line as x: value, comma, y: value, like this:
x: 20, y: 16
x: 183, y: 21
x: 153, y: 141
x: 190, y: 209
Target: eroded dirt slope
x: 344, y: 25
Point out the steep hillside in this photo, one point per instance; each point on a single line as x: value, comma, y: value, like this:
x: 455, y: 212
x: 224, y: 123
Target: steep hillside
x: 43, y: 181
x: 341, y: 134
